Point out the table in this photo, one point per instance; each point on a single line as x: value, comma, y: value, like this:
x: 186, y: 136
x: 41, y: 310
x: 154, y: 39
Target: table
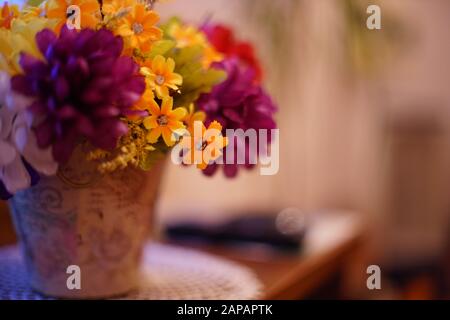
x: 331, y: 262
x: 332, y: 259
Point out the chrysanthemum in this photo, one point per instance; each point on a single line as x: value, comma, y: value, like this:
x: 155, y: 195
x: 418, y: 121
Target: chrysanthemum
x: 82, y: 88
x: 238, y: 103
x: 161, y: 76
x: 89, y: 12
x: 164, y: 121
x: 138, y: 29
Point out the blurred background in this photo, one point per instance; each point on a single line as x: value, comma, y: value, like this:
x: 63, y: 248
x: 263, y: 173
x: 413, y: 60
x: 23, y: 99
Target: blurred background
x: 364, y: 118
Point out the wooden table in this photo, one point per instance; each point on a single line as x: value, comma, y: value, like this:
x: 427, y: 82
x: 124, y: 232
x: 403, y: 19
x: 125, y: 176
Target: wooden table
x: 331, y: 264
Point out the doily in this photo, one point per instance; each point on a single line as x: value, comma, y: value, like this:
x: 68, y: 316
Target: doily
x: 168, y: 273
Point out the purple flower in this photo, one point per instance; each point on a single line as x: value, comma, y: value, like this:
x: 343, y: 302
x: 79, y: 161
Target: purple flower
x: 81, y: 89
x: 238, y: 103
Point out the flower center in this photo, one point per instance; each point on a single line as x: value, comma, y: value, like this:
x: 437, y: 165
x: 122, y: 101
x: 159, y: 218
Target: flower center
x: 138, y: 28
x: 160, y: 79
x: 201, y: 145
x: 162, y: 120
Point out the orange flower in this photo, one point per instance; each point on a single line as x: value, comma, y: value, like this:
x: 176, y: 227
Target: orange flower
x: 193, y: 116
x: 138, y: 29
x: 161, y: 76
x: 89, y: 12
x: 114, y: 7
x: 8, y: 13
x: 164, y: 121
x: 203, y: 146
x: 147, y: 99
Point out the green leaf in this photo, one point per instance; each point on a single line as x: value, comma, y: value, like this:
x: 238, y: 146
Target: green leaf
x: 202, y: 81
x: 166, y: 26
x: 34, y: 3
x: 151, y: 158
x: 161, y: 47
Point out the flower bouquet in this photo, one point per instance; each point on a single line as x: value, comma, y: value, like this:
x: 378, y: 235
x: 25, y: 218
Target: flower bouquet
x: 94, y: 96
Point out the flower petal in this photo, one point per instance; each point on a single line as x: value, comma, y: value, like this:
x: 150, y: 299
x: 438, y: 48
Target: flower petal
x: 15, y: 176
x: 168, y: 136
x: 154, y: 135
x: 7, y: 153
x: 179, y: 113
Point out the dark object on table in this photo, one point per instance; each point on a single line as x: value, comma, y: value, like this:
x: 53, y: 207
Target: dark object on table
x: 259, y: 230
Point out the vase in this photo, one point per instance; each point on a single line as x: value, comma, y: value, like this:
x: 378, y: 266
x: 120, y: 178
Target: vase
x: 83, y: 233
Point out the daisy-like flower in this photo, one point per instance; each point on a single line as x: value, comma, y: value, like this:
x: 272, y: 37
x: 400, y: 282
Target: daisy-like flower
x: 89, y: 12
x: 192, y: 116
x: 164, y: 121
x: 203, y: 146
x: 138, y: 29
x: 7, y: 14
x: 142, y: 107
x: 161, y: 76
x: 147, y: 99
x: 114, y: 7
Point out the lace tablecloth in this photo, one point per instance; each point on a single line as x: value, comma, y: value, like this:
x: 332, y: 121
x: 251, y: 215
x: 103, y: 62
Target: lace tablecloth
x: 168, y: 273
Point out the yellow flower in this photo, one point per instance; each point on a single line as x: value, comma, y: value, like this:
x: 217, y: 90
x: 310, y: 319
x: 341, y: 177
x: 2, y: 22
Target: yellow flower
x: 161, y: 76
x: 21, y: 38
x: 29, y: 12
x: 203, y: 146
x: 147, y: 99
x: 165, y: 122
x: 211, y: 55
x: 114, y: 7
x: 7, y: 14
x: 186, y: 36
x: 138, y: 29
x: 89, y: 12
x: 193, y: 116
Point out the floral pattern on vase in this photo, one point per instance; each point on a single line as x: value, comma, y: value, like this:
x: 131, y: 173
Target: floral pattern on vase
x: 101, y: 228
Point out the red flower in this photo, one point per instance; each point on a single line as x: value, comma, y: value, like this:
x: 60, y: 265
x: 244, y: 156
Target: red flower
x: 223, y: 40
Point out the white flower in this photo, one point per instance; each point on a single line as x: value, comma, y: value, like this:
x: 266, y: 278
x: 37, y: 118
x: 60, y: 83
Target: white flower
x: 18, y: 141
